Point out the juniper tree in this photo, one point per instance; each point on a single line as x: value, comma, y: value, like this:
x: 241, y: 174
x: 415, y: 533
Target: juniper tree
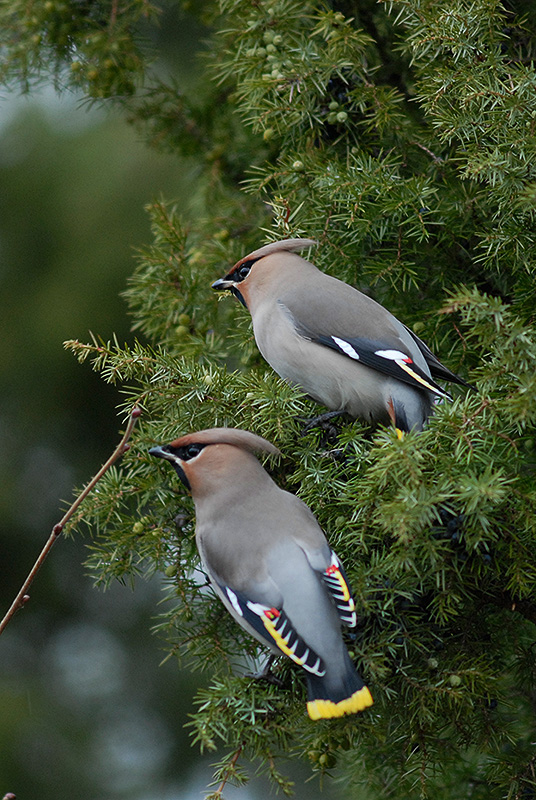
x: 402, y: 137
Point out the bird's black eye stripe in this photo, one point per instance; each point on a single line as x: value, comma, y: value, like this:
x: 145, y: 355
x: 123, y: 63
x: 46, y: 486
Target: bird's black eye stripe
x: 189, y: 451
x: 243, y: 271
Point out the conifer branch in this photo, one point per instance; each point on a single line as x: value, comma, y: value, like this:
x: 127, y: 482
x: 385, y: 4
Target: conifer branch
x: 228, y: 771
x: 22, y: 597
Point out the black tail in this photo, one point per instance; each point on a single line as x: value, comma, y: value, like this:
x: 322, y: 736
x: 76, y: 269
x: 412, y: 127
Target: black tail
x: 438, y: 370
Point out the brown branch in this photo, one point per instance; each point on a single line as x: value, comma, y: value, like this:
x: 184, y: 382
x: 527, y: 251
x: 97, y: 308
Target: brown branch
x: 22, y: 596
x: 228, y: 772
x: 113, y: 15
x: 437, y: 159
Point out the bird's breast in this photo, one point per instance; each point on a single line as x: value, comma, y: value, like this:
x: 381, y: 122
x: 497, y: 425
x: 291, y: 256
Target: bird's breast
x: 328, y: 377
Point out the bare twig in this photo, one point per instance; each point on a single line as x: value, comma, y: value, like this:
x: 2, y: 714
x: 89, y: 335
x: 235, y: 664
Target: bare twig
x: 229, y: 769
x: 22, y: 597
x: 437, y: 159
x: 113, y: 15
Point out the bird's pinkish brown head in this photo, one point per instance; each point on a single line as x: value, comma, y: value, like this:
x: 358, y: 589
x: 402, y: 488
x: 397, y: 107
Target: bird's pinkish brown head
x: 244, y: 275
x: 211, y: 457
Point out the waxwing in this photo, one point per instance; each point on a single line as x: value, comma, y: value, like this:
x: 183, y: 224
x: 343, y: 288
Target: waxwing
x: 342, y: 348
x: 270, y: 563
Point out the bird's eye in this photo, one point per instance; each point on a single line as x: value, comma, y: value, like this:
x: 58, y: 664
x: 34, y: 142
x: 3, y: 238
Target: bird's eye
x: 193, y: 450
x: 243, y: 272
x: 189, y: 451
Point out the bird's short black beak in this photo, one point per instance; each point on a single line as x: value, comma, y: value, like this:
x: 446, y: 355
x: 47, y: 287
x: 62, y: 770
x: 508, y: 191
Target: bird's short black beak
x: 221, y: 284
x: 160, y: 452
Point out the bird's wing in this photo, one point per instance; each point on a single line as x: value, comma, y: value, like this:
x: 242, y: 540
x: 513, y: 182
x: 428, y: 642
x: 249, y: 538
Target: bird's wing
x: 336, y: 583
x: 438, y: 369
x: 340, y: 317
x: 394, y: 362
x: 275, y: 628
x: 386, y: 359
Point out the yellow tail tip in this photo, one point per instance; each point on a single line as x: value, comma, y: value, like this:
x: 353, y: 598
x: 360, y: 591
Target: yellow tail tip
x: 399, y: 433
x: 327, y: 709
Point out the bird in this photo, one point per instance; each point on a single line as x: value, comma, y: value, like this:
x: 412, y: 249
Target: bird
x: 269, y: 562
x: 341, y: 347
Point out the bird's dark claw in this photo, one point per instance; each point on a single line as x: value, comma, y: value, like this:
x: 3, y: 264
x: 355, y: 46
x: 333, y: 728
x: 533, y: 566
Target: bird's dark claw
x: 322, y: 422
x: 266, y: 674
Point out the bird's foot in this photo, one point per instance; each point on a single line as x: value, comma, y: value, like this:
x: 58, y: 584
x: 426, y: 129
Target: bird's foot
x: 322, y: 421
x: 266, y: 674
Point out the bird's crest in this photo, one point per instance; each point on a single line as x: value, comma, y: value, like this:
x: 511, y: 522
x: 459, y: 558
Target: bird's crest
x: 284, y: 245
x: 235, y: 436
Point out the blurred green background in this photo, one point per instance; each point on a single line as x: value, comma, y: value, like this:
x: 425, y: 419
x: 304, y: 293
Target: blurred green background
x: 86, y: 709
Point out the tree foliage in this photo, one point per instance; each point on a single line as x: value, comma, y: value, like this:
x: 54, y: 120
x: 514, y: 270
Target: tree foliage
x: 401, y: 136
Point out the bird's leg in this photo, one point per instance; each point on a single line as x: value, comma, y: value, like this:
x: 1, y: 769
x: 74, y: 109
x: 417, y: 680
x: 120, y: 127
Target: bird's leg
x: 266, y: 674
x: 392, y: 414
x: 321, y: 420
